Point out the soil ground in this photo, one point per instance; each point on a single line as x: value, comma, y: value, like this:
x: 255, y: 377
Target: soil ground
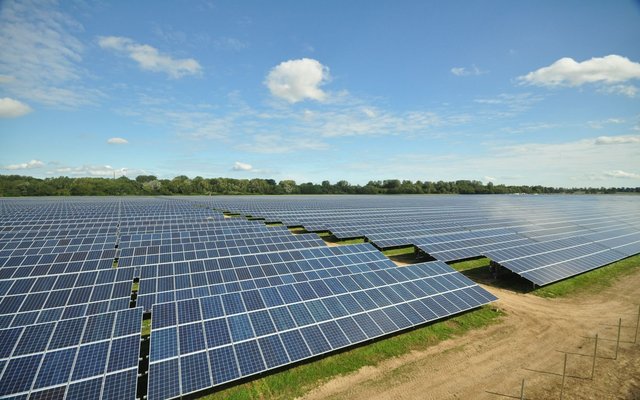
x: 530, y: 343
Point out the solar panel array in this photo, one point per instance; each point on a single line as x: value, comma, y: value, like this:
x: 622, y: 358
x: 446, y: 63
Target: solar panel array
x: 228, y: 298
x: 514, y: 231
x: 217, y: 339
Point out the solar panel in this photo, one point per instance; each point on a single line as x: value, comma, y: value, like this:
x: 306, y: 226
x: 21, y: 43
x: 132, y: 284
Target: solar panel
x: 43, y: 359
x: 244, y: 337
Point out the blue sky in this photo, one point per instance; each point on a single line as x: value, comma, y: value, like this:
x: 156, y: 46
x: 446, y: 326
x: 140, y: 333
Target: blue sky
x: 542, y: 92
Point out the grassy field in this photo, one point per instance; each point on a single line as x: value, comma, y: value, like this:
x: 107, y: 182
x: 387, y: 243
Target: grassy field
x: 296, y: 381
x: 471, y: 264
x: 146, y: 327
x: 399, y: 251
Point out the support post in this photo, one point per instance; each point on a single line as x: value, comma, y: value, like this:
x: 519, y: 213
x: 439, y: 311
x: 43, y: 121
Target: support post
x: 564, y: 374
x: 635, y: 338
x: 618, y: 340
x: 522, y: 390
x: 595, y: 354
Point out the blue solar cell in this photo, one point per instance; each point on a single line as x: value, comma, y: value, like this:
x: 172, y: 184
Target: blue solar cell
x: 91, y: 360
x: 249, y: 357
x: 67, y: 333
x: 217, y: 332
x: 194, y: 372
x: 425, y: 313
x: 8, y: 340
x: 99, y: 327
x: 336, y: 308
x: 282, y: 318
x: 55, y: 368
x: 233, y: 303
x: 262, y: 323
x: 397, y: 317
x: 383, y: 321
x: 300, y: 314
x: 18, y: 374
x: 318, y: 310
x: 295, y: 345
x: 191, y: 338
x: 163, y: 380
x: 164, y: 344
x: 223, y: 364
x: 240, y: 327
x: 34, y: 339
x: 289, y: 294
x: 89, y: 389
x: 352, y: 330
x: 121, y: 385
x: 163, y: 315
x: 436, y: 308
x: 368, y: 325
x: 315, y: 339
x: 48, y: 394
x: 128, y: 322
x: 253, y: 300
x: 189, y: 311
x: 211, y: 307
x: 273, y: 351
x: 271, y: 297
x: 124, y: 353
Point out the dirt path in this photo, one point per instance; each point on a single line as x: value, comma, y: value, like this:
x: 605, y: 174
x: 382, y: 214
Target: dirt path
x: 529, y: 344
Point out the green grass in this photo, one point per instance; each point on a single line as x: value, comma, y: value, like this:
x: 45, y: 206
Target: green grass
x: 146, y: 327
x: 273, y: 223
x: 470, y: 264
x: 294, y: 382
x: 591, y: 281
x: 349, y: 241
x: 399, y: 251
x: 135, y: 286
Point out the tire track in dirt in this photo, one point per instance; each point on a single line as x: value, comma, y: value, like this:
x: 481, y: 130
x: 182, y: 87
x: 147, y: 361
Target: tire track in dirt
x: 528, y: 343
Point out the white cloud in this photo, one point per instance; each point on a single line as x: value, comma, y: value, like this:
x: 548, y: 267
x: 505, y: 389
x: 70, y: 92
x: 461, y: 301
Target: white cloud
x: 240, y: 166
x: 117, y: 140
x: 10, y: 108
x: 297, y: 80
x: 41, y: 57
x: 610, y: 121
x: 510, y: 103
x: 490, y: 179
x: 230, y: 43
x: 610, y: 71
x: 575, y: 163
x: 464, y: 71
x: 105, y: 171
x: 278, y: 144
x: 618, y: 139
x: 622, y: 174
x: 626, y: 90
x: 149, y: 58
x: 28, y: 165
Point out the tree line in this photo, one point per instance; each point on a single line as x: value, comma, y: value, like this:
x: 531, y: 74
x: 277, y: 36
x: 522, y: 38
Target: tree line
x: 15, y: 185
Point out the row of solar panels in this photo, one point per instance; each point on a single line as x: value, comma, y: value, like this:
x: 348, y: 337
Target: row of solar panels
x: 454, y: 233
x: 198, y: 344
